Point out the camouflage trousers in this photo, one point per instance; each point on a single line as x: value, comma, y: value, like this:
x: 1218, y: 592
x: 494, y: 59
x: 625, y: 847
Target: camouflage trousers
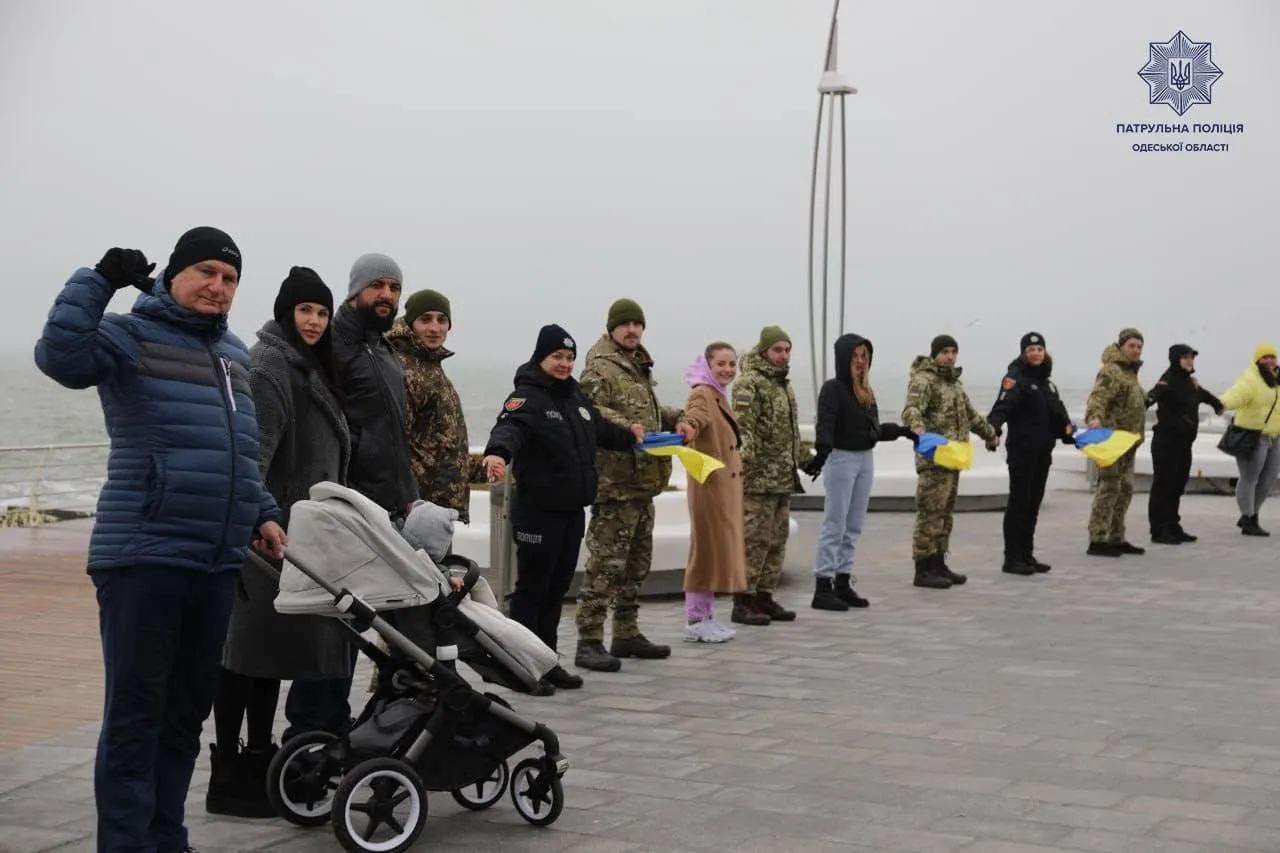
x: 1111, y: 500
x: 765, y: 519
x: 619, y: 554
x: 936, y: 489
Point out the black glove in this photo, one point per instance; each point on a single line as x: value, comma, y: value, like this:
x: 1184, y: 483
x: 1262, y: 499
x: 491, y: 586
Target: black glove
x: 813, y: 468
x: 125, y: 267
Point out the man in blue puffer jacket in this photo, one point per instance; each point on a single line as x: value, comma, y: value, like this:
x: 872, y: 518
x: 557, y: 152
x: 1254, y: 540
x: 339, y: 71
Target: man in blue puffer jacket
x: 182, y: 502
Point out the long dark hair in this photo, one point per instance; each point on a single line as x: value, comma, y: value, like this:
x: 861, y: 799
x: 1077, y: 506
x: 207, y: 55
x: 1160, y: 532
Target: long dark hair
x: 318, y: 355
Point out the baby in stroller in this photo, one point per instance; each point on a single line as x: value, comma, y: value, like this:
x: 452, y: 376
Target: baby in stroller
x: 425, y: 728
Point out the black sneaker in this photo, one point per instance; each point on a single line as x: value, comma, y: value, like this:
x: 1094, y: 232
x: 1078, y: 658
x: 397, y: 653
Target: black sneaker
x: 562, y: 679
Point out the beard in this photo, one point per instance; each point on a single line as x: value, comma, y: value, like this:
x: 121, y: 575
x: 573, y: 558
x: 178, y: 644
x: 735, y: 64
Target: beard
x: 373, y: 321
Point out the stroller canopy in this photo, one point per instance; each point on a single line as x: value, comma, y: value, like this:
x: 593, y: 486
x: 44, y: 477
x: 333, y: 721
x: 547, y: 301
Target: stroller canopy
x: 349, y: 541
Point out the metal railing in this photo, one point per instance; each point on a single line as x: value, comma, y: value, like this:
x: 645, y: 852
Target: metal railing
x: 50, y: 482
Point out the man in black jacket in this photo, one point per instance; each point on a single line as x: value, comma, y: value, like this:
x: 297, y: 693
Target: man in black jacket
x: 1029, y: 404
x: 549, y: 431
x: 370, y: 383
x: 1177, y: 398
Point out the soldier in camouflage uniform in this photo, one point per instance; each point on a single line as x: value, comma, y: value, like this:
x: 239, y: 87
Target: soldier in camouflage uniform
x: 618, y: 379
x: 765, y: 406
x: 440, y: 455
x: 1117, y: 401
x: 937, y: 402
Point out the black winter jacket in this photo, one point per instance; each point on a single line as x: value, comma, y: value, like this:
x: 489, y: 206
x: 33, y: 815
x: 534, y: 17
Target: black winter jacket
x: 549, y: 432
x: 1029, y: 404
x: 843, y: 423
x: 372, y: 384
x: 1178, y: 398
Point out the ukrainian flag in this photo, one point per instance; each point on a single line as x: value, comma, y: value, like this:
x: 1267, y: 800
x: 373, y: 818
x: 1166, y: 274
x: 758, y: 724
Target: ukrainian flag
x: 1105, y: 445
x: 945, y: 453
x: 697, y: 464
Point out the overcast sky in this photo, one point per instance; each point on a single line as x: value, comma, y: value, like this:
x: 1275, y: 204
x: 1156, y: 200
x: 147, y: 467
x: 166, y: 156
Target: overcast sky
x: 536, y: 160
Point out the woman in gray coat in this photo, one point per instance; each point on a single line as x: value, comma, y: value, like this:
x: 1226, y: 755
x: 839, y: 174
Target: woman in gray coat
x: 303, y: 440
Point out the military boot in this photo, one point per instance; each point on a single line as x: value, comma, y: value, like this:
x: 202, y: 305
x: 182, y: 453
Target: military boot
x: 638, y: 647
x: 745, y: 611
x: 825, y: 598
x: 591, y: 655
x: 940, y: 564
x: 846, y: 593
x: 1102, y: 549
x: 927, y: 575
x: 775, y: 611
x: 1124, y: 546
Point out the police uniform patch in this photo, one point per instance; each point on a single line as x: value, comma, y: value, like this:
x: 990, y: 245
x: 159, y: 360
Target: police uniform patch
x: 582, y: 410
x: 513, y: 404
x: 1008, y: 383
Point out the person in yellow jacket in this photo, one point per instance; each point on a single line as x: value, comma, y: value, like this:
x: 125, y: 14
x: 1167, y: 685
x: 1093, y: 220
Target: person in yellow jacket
x: 1254, y: 397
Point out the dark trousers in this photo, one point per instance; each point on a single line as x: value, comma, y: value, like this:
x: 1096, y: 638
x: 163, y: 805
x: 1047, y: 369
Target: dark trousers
x: 319, y: 704
x: 547, y: 545
x: 162, y: 632
x: 1171, y: 466
x: 1028, y: 473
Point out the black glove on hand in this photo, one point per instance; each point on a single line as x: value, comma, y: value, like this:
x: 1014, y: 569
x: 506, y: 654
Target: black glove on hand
x: 812, y: 468
x: 125, y: 267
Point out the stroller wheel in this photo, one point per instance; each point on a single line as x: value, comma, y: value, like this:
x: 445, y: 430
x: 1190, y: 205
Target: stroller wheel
x: 301, y: 779
x: 485, y: 792
x: 380, y: 807
x: 537, y: 792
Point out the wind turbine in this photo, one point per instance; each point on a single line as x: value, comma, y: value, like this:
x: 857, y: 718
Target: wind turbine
x: 832, y: 91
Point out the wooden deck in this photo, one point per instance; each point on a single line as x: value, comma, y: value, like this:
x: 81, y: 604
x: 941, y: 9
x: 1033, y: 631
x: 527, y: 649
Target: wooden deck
x: 50, y: 657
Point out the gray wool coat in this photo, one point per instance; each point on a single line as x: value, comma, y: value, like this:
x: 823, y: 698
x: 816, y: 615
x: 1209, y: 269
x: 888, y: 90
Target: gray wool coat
x: 303, y: 440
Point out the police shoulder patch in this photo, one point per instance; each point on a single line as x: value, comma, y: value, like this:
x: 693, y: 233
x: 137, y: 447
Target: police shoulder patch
x: 513, y: 403
x: 1008, y: 383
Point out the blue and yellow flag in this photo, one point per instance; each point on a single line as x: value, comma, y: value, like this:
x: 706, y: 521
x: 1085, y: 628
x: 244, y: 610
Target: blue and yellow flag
x: 1105, y: 445
x: 945, y: 453
x: 697, y: 464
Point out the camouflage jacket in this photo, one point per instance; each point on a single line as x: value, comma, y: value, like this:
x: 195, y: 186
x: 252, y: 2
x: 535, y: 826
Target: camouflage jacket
x: 1117, y: 399
x: 936, y: 401
x: 621, y: 385
x: 437, y: 432
x: 768, y: 420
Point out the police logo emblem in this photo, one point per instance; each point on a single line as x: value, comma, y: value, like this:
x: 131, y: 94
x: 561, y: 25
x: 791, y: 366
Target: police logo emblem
x: 513, y: 404
x: 582, y: 410
x: 569, y: 344
x: 1035, y: 339
x: 1180, y: 73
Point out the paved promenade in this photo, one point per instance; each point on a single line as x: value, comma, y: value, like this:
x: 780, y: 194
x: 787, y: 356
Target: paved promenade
x: 1126, y: 706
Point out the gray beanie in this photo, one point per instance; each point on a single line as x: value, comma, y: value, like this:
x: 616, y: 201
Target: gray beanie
x: 369, y: 268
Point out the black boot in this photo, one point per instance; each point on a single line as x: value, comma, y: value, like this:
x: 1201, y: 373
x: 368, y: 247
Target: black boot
x: 775, y: 611
x: 638, y: 647
x: 1030, y: 560
x: 591, y: 655
x: 1252, y: 528
x: 825, y: 598
x: 1165, y: 536
x: 1016, y: 564
x: 1182, y: 534
x: 562, y: 679
x: 940, y: 565
x: 1102, y: 549
x: 846, y: 593
x: 1124, y: 546
x: 927, y: 575
x: 745, y: 611
x: 237, y: 784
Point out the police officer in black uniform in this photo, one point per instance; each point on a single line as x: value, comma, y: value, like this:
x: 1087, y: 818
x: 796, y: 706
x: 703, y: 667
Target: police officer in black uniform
x: 549, y: 431
x: 1177, y: 398
x: 1037, y: 419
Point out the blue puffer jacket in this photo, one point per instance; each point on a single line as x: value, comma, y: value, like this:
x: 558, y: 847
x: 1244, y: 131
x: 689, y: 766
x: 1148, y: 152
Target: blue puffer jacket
x: 183, y: 487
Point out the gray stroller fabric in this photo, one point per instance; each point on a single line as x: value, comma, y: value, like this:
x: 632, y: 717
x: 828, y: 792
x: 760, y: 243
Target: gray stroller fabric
x: 350, y: 542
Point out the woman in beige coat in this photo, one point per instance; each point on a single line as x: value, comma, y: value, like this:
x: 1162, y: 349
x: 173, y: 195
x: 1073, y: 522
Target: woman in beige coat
x: 717, y: 551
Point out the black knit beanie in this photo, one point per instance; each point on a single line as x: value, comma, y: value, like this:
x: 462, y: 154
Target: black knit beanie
x: 940, y: 343
x: 550, y: 339
x: 202, y: 244
x: 1031, y: 339
x: 303, y: 284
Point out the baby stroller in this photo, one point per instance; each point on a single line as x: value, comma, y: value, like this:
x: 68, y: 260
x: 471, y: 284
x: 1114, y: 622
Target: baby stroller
x: 425, y: 728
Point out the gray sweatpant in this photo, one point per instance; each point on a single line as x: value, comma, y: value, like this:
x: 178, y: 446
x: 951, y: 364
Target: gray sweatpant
x: 1258, y: 475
